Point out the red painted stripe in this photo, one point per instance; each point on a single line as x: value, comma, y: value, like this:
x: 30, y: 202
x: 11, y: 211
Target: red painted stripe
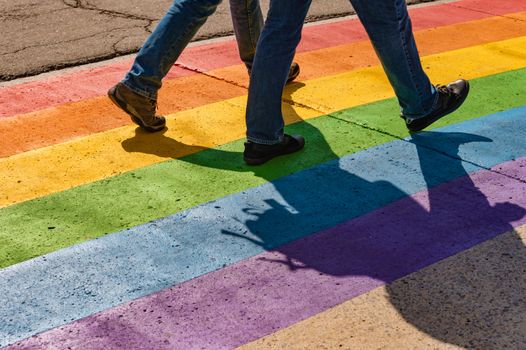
x: 492, y: 7
x: 33, y: 96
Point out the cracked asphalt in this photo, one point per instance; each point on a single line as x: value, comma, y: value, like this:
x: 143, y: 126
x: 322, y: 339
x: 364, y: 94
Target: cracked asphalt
x: 44, y: 35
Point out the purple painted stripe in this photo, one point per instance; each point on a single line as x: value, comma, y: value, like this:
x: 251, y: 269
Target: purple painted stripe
x: 275, y: 289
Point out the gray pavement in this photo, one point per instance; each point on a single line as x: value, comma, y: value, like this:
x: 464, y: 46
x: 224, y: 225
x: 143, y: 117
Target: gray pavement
x: 44, y: 35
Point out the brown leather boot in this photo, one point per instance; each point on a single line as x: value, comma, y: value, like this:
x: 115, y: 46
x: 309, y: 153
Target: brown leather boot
x: 141, y: 109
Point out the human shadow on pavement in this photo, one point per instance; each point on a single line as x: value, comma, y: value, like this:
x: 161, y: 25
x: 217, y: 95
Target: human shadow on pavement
x: 404, y: 236
x: 477, y: 304
x: 475, y: 299
x: 352, y: 226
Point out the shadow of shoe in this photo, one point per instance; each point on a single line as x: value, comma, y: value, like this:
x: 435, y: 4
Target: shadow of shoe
x: 158, y: 144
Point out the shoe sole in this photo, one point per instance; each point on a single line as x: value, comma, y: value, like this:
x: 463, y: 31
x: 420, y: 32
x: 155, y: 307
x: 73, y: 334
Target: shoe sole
x: 260, y: 161
x: 449, y: 111
x: 112, y: 94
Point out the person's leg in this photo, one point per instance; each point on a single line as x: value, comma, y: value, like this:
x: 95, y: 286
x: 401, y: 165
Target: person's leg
x: 247, y: 19
x: 275, y: 51
x: 389, y: 27
x: 137, y: 93
x: 166, y: 43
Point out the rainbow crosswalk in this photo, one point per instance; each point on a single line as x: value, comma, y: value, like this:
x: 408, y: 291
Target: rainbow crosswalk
x: 112, y: 238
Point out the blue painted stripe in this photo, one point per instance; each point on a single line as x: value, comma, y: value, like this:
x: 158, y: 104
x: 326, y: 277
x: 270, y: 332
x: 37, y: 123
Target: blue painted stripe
x: 72, y: 283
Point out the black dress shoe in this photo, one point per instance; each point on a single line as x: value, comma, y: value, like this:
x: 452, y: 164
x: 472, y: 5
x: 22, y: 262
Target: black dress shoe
x: 257, y: 154
x: 450, y: 97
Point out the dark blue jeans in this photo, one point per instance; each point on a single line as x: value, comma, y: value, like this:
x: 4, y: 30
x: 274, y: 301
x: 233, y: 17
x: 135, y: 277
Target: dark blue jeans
x: 184, y: 18
x: 388, y: 25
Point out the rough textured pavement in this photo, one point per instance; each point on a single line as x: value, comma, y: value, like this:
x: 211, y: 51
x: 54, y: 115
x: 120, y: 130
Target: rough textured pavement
x: 42, y: 35
x: 369, y: 238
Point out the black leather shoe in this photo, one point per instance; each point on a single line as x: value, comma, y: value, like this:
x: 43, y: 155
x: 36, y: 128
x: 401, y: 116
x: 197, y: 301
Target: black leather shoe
x: 257, y: 154
x: 450, y: 97
x: 140, y: 108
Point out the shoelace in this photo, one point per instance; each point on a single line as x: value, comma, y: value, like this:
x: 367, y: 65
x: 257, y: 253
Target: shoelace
x: 443, y: 89
x: 446, y: 93
x: 153, y: 105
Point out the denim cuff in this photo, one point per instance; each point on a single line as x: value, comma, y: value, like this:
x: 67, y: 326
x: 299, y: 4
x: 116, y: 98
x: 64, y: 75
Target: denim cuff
x: 147, y: 94
x: 426, y: 113
x: 264, y: 142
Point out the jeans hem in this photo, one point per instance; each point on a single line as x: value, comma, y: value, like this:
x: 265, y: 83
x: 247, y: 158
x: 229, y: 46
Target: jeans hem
x: 144, y: 93
x: 264, y: 142
x: 428, y: 112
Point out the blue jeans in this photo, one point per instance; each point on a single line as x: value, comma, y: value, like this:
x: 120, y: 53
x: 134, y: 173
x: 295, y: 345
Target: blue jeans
x: 184, y: 18
x: 388, y: 25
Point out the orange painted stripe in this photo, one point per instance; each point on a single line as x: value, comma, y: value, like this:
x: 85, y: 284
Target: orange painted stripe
x: 73, y: 120
x: 69, y: 121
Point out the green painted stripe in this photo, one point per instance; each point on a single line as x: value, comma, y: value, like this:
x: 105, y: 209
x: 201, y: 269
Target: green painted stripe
x: 488, y: 95
x: 57, y: 221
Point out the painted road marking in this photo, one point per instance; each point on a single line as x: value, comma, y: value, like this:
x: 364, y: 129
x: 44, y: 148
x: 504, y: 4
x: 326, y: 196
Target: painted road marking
x: 57, y: 168
x: 150, y: 257
x: 253, y: 298
x: 364, y: 193
x: 431, y: 308
x: 166, y: 188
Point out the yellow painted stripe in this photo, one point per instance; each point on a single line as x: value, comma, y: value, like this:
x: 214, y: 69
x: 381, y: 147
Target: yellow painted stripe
x: 334, y: 93
x: 470, y: 300
x: 47, y: 170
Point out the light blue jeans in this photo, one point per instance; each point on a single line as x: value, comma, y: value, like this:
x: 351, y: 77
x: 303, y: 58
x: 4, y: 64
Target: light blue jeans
x: 389, y: 28
x: 184, y: 18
